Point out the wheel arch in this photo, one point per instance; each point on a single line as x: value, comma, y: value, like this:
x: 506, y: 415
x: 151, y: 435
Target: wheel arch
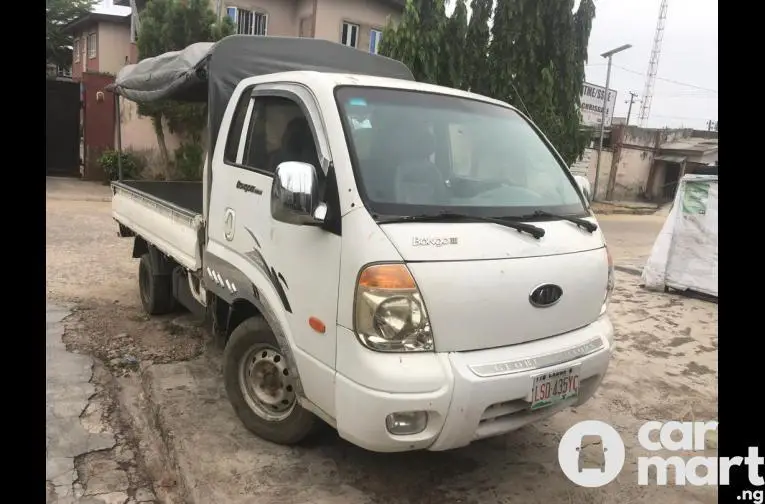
x: 242, y: 308
x: 161, y: 264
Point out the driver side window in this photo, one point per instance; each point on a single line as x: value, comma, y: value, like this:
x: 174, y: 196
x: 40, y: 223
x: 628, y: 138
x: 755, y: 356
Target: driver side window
x: 278, y: 131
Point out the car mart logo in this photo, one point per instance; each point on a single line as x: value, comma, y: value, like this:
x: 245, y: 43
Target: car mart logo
x: 609, y: 452
x: 571, y: 453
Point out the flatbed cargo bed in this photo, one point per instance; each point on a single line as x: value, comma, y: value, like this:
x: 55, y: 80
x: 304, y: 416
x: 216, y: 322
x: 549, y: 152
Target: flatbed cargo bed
x: 186, y: 195
x: 166, y: 214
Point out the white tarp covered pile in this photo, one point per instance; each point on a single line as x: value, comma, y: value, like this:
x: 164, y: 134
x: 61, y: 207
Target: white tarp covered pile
x: 684, y: 256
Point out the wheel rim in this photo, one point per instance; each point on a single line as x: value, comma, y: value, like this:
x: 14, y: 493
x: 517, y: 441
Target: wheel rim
x: 266, y: 383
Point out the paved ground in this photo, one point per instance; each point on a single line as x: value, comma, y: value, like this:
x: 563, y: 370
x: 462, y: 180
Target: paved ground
x: 196, y: 450
x: 88, y: 456
x: 630, y: 237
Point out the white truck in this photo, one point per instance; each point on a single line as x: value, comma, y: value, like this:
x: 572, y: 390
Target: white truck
x: 412, y: 264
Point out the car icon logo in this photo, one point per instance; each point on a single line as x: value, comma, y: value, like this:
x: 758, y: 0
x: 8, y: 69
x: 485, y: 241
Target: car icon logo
x: 545, y: 295
x: 596, y: 450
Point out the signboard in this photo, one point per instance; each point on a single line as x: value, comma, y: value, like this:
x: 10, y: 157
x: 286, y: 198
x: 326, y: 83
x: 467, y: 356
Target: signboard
x: 592, y: 104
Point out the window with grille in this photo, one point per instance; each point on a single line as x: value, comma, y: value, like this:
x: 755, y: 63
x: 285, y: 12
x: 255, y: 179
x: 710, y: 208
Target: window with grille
x: 92, y: 48
x: 350, y: 35
x: 76, y: 51
x: 248, y: 22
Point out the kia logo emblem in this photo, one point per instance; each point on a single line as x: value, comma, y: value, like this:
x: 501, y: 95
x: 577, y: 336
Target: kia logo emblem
x: 545, y: 295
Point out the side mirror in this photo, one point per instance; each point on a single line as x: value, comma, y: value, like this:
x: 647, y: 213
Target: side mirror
x: 584, y: 186
x: 295, y: 194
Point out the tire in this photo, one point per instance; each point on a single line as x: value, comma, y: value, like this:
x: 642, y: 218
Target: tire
x: 156, y: 290
x: 270, y: 410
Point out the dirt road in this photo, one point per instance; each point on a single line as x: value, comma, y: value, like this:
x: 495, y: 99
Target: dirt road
x: 664, y: 369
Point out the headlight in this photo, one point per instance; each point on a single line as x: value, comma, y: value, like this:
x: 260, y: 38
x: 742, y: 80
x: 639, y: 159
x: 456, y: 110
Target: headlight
x: 390, y: 313
x: 610, y: 283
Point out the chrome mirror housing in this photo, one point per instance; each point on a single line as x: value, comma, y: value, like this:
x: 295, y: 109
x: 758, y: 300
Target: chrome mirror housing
x: 295, y: 194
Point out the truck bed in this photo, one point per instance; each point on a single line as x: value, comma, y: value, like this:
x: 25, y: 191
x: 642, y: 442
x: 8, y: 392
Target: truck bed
x: 185, y: 195
x: 167, y: 215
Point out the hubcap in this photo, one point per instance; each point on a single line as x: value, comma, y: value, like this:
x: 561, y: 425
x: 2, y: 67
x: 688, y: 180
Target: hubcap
x: 266, y: 383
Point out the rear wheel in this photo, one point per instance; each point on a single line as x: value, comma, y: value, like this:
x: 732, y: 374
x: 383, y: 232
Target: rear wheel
x: 156, y: 290
x: 260, y: 386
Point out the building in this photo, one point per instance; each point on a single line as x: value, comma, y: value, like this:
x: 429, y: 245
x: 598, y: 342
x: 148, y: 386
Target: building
x: 676, y: 158
x: 356, y: 23
x: 101, y: 47
x: 639, y: 164
x: 101, y: 43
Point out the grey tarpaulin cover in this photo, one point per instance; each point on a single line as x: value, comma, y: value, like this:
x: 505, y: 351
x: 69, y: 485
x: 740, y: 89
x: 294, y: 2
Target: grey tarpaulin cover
x: 209, y: 72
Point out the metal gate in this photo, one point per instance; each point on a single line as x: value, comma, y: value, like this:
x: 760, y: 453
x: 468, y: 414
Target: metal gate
x: 62, y: 127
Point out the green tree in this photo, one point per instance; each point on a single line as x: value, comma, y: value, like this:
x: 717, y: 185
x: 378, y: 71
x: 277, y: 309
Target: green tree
x: 476, y: 78
x: 452, y: 55
x: 172, y: 25
x: 58, y: 14
x: 537, y: 56
x: 416, y: 39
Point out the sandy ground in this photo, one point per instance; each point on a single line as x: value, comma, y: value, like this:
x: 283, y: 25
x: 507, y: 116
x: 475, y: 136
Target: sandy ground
x: 664, y: 369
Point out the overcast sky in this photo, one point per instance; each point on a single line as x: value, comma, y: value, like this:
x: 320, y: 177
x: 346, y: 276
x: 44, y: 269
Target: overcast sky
x: 688, y: 57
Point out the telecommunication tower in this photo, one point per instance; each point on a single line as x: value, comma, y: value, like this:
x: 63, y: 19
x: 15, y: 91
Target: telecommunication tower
x: 653, y: 64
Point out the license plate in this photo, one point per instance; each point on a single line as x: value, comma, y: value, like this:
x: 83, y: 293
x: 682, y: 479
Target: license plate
x: 554, y: 386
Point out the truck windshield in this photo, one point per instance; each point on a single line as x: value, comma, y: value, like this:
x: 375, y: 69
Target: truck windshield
x: 422, y: 153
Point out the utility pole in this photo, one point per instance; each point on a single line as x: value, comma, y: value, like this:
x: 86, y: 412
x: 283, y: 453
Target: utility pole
x: 609, y: 55
x: 633, y: 95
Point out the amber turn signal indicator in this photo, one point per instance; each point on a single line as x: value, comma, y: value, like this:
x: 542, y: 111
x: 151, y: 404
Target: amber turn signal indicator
x: 387, y: 276
x: 317, y: 325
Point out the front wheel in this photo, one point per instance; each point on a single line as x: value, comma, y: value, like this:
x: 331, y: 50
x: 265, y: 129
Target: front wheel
x: 260, y: 386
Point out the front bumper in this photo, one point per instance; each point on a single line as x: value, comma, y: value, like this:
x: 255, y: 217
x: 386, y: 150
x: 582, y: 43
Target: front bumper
x: 468, y: 395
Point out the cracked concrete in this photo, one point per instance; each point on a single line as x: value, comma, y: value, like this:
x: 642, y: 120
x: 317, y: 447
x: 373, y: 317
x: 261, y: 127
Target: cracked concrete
x: 68, y: 389
x: 87, y: 458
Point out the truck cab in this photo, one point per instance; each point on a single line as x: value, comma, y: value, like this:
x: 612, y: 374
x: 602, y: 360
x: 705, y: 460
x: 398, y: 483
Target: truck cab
x: 412, y: 264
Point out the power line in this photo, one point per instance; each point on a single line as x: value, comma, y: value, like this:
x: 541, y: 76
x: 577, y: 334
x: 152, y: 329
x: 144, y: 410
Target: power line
x: 679, y: 83
x: 670, y: 80
x: 683, y: 118
x: 684, y: 96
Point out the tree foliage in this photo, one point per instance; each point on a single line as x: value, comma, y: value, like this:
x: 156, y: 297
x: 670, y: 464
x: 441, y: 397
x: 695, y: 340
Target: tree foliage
x: 537, y: 57
x: 58, y: 14
x: 533, y: 56
x: 172, y: 25
x: 452, y: 56
x: 416, y: 39
x: 477, y: 77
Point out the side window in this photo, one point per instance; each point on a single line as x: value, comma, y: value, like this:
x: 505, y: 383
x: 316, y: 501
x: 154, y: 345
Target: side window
x: 278, y: 131
x: 235, y: 131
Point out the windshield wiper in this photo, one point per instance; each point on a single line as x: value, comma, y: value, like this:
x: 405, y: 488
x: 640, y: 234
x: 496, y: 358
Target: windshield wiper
x: 584, y: 224
x: 535, y: 231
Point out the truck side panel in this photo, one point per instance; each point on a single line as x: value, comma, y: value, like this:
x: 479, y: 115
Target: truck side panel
x: 174, y: 232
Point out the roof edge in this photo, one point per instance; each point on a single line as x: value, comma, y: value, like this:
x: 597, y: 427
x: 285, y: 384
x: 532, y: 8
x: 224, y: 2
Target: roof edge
x: 96, y: 17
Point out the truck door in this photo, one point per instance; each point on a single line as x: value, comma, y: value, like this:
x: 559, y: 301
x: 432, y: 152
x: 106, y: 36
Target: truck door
x: 294, y: 268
